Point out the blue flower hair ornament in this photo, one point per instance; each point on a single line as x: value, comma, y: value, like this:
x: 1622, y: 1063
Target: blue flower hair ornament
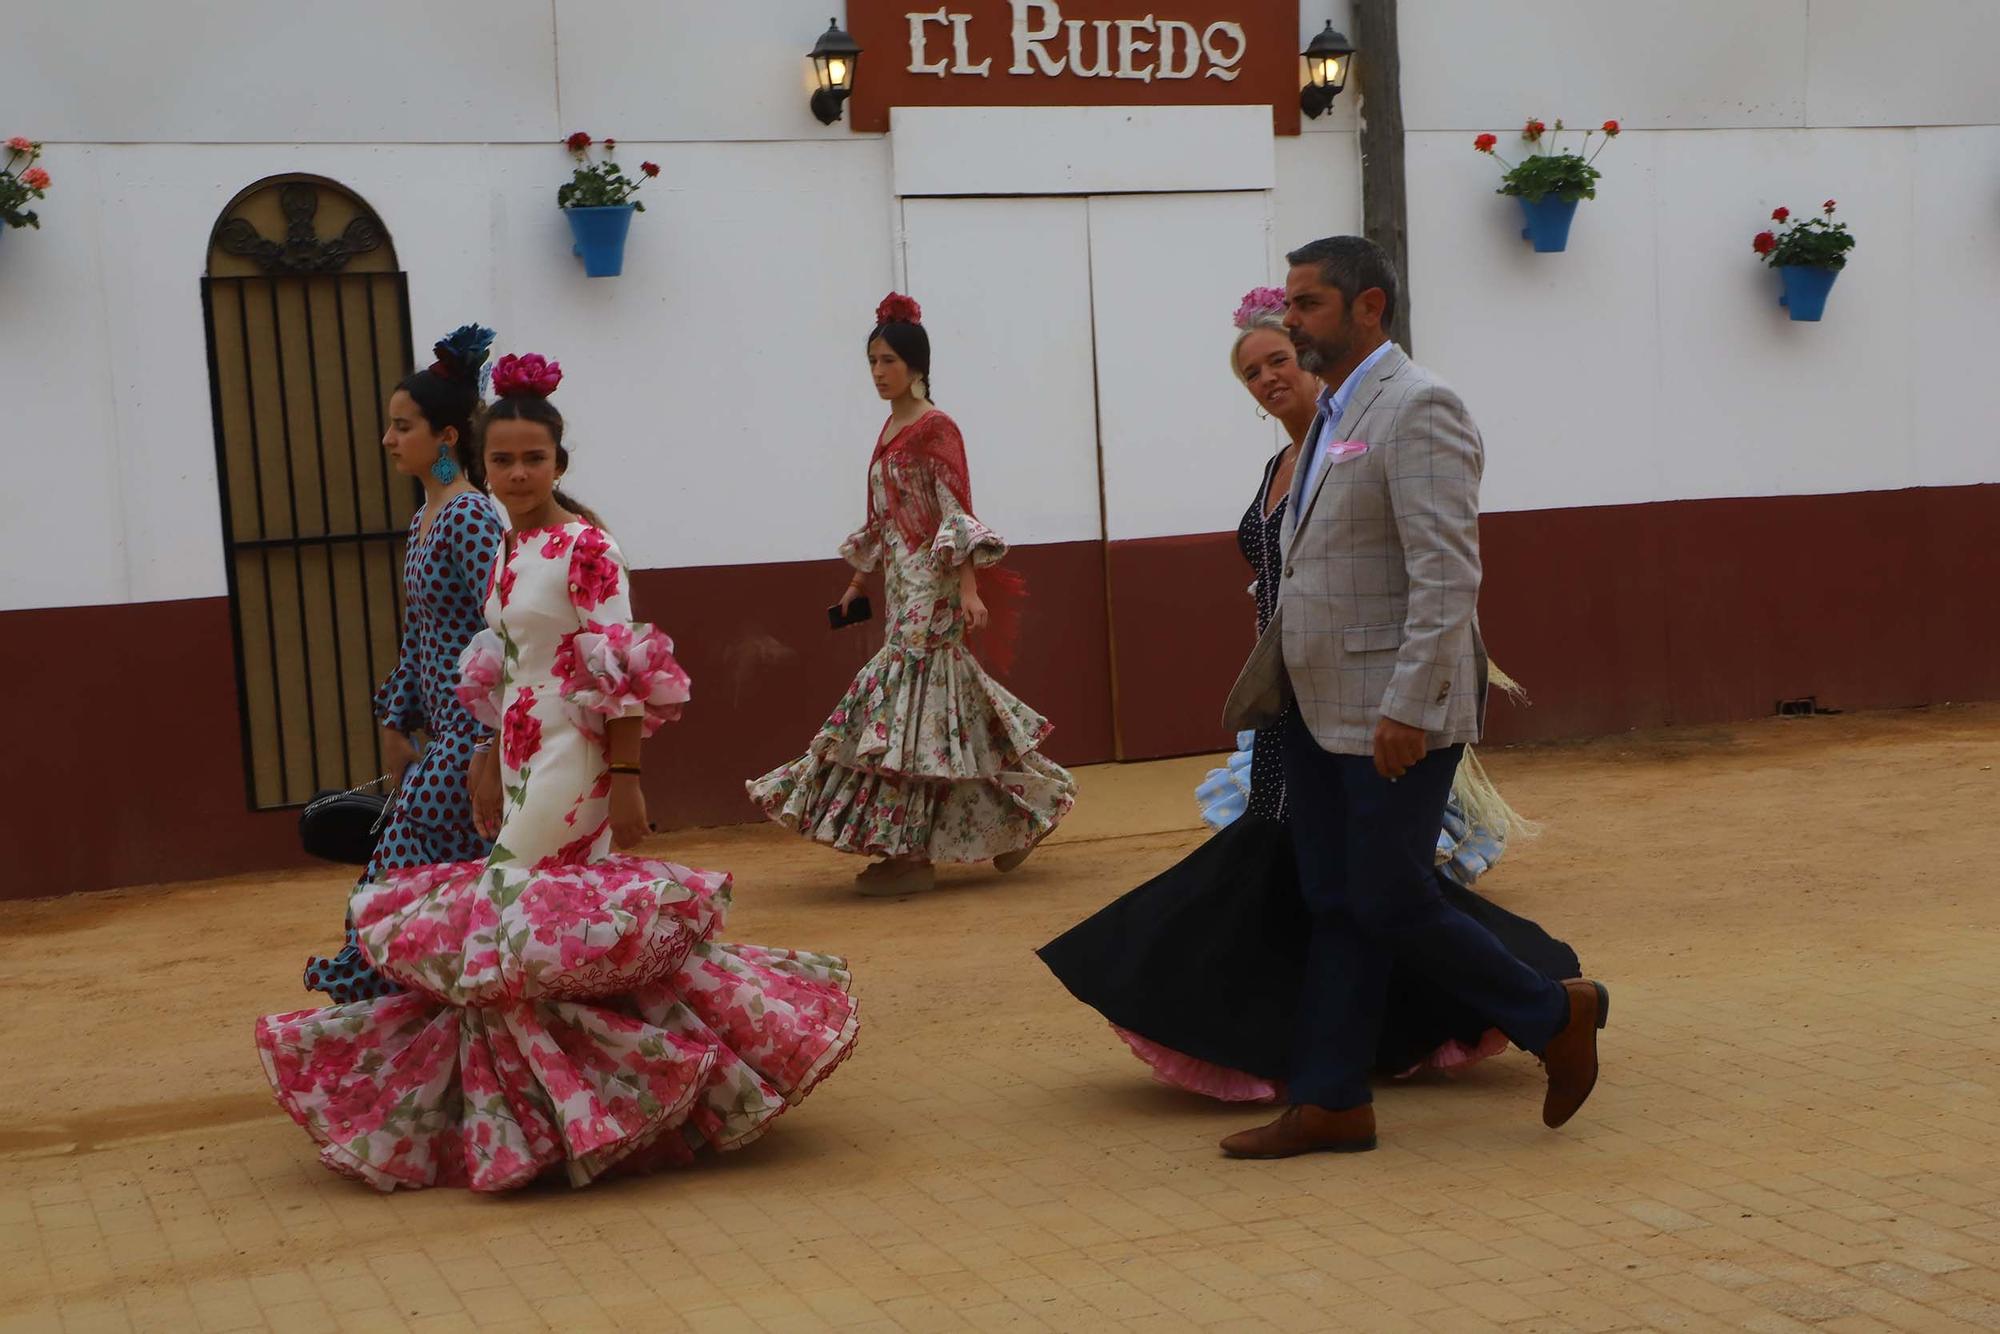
x: 461, y: 354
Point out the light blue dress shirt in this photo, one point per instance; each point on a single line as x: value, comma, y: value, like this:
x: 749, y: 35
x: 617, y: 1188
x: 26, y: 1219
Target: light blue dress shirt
x: 1332, y: 407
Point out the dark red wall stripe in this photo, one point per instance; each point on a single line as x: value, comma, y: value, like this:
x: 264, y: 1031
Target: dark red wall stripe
x: 126, y: 762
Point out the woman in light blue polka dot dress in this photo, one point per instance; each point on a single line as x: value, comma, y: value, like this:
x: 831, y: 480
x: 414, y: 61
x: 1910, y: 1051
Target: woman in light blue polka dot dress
x: 454, y: 544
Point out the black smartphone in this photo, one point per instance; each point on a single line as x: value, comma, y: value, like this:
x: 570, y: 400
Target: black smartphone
x: 858, y: 611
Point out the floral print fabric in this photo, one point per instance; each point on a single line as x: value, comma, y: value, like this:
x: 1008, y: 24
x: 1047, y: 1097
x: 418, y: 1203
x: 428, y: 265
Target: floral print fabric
x: 925, y: 755
x: 566, y: 1008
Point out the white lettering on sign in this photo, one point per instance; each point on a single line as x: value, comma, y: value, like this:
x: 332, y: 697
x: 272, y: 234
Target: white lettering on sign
x: 961, y: 48
x: 1178, y: 39
x: 1027, y: 43
x: 961, y: 45
x: 1130, y: 47
x: 1076, y: 66
x: 918, y: 65
x: 1220, y: 66
x: 1180, y: 51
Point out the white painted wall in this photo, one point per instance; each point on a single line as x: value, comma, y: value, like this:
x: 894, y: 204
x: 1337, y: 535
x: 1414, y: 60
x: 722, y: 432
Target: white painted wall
x: 717, y: 393
x: 1651, y: 360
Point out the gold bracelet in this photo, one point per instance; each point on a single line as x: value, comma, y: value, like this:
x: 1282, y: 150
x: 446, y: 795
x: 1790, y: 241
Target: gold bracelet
x: 626, y: 769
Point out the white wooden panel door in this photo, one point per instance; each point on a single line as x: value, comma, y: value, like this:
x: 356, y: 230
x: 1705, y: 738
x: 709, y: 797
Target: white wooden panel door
x: 1005, y: 287
x: 1181, y: 441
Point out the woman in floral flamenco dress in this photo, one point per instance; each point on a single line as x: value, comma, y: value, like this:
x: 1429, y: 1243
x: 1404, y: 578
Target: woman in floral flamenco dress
x: 567, y: 1009
x: 926, y: 758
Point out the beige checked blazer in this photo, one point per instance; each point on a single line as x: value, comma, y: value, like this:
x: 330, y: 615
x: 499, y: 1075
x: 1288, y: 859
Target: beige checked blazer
x: 1378, y: 609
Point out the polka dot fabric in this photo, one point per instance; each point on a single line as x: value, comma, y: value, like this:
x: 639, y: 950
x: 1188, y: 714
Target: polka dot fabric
x: 446, y: 574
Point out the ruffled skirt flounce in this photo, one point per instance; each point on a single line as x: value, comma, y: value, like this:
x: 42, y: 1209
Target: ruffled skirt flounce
x: 925, y: 755
x: 579, y: 1020
x: 1200, y: 969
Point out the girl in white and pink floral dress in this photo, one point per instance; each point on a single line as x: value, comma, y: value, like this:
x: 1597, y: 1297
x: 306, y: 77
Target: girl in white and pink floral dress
x: 567, y: 1007
x: 926, y: 758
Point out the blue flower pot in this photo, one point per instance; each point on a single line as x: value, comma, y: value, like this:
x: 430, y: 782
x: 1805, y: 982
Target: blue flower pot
x: 1806, y: 286
x: 600, y: 237
x: 1548, y: 221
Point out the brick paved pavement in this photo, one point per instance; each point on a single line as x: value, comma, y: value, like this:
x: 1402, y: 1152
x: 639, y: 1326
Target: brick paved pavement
x: 1798, y: 1126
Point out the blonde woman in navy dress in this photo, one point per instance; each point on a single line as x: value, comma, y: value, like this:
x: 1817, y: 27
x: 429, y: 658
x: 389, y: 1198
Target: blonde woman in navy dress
x: 453, y: 546
x: 1230, y: 914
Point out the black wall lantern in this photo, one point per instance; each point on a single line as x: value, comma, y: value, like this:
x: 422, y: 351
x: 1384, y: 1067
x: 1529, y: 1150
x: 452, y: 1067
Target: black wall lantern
x: 834, y: 57
x: 1328, y: 56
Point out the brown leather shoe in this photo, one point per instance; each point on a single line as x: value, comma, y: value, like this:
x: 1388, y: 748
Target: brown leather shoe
x: 1304, y: 1128
x: 1571, y: 1056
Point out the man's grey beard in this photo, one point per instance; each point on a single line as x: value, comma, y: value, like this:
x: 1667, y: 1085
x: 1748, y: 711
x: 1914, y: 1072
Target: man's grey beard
x: 1310, y: 357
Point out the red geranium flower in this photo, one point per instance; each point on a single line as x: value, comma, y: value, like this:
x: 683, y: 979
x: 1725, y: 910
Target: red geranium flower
x: 593, y: 574
x: 1764, y: 243
x: 650, y: 168
x: 1533, y: 130
x: 37, y: 179
x: 1780, y: 214
x: 1485, y: 142
x: 610, y: 144
x: 1611, y: 128
x: 521, y: 731
x: 578, y: 142
x: 1829, y: 206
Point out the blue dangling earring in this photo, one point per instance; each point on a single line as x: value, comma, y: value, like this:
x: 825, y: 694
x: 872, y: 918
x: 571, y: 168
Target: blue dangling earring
x: 444, y: 470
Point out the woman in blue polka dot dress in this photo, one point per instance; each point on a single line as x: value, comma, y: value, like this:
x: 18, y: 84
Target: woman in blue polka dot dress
x: 454, y: 544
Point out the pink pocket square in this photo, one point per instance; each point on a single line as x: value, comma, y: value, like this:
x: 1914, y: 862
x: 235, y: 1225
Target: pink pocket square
x: 1345, y: 449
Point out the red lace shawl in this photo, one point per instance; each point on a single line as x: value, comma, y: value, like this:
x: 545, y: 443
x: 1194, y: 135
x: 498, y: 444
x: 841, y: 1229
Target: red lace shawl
x: 926, y: 452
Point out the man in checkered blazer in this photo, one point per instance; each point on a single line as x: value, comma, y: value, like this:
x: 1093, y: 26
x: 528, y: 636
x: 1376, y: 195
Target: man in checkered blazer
x: 1375, y: 665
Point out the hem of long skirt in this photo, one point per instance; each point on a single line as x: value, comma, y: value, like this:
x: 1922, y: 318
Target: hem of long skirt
x: 1011, y: 760
x: 893, y: 852
x: 829, y: 1061
x: 773, y: 808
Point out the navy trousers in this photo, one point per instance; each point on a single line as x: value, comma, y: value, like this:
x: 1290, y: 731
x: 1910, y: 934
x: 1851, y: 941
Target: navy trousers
x: 1365, y: 850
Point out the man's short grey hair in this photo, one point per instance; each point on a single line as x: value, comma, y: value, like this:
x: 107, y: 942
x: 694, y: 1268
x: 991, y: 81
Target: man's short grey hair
x: 1352, y: 264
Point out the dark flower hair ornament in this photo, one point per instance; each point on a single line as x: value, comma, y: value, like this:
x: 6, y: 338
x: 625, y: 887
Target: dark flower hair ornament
x: 461, y: 353
x: 899, y: 309
x: 527, y: 376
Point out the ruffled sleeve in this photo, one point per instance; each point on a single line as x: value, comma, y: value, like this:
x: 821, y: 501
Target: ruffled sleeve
x: 863, y: 548
x: 474, y: 537
x: 399, y: 700
x: 611, y: 666
x: 625, y: 669
x: 960, y: 536
x: 481, y: 670
x: 398, y: 703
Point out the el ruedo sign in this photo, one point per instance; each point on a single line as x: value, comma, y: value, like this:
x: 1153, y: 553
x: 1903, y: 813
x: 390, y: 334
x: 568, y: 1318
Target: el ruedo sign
x: 1075, y: 53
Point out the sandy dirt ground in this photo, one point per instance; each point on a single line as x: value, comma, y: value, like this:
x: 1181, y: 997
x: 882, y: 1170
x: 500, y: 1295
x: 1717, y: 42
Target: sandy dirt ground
x: 1798, y: 1124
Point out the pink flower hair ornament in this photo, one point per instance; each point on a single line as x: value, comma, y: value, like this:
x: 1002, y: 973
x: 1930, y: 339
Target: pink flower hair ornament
x: 1259, y: 301
x: 527, y: 376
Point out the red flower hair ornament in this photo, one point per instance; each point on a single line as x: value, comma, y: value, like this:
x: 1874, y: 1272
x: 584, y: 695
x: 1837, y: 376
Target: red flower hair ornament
x: 529, y: 376
x: 899, y: 309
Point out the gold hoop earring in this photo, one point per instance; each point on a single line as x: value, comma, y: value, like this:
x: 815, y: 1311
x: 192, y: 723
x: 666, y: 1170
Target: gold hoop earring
x: 1262, y: 415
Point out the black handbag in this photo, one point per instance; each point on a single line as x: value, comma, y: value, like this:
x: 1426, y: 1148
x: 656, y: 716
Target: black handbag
x: 344, y: 826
